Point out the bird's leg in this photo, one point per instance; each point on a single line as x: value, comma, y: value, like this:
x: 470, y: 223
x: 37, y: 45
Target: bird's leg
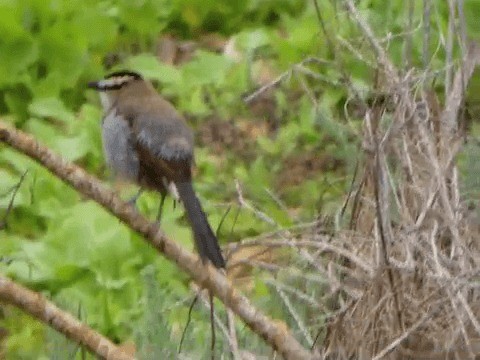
x: 173, y: 190
x: 163, y: 195
x: 133, y: 200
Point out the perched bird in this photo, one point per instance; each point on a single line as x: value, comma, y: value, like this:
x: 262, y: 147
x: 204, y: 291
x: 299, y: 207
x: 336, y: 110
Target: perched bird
x: 147, y: 141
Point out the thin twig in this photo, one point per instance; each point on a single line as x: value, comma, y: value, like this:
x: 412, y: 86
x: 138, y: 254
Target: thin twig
x: 245, y: 204
x: 462, y: 25
x: 427, y: 6
x: 287, y: 74
x: 321, y: 22
x: 407, y: 50
x: 449, y: 46
x: 214, y: 318
x: 232, y: 335
x: 189, y: 319
x: 3, y: 222
x: 406, y: 333
x: 294, y: 314
x: 212, y: 326
x: 455, y: 97
x: 378, y: 49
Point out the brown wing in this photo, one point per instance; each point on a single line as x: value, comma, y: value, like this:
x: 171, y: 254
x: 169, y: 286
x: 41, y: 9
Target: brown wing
x: 156, y: 172
x: 165, y: 146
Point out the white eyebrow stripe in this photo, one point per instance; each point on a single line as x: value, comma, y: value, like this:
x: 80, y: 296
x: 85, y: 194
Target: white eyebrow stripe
x: 115, y: 81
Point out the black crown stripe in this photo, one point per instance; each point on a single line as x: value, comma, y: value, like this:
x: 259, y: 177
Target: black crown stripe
x: 133, y: 74
x: 115, y: 85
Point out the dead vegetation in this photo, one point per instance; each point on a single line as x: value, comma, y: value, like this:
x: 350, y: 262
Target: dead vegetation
x: 395, y: 274
x: 399, y: 278
x: 415, y: 241
x: 407, y: 283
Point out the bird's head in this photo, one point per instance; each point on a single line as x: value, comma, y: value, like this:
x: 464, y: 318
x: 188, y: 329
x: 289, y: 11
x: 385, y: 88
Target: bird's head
x: 115, y: 84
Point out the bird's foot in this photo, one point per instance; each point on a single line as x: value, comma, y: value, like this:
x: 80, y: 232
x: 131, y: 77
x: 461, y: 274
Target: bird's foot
x: 133, y: 200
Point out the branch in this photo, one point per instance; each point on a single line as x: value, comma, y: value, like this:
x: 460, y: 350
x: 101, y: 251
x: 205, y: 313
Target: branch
x: 456, y: 95
x: 286, y: 75
x: 14, y: 190
x: 39, y: 307
x: 427, y: 8
x: 275, y: 333
x: 367, y: 31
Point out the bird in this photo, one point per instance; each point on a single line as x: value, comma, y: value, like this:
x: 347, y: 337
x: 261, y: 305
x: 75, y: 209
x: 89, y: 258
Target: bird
x: 148, y: 142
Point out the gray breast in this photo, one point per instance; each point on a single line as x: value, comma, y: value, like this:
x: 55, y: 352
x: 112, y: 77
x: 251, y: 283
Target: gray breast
x: 118, y: 146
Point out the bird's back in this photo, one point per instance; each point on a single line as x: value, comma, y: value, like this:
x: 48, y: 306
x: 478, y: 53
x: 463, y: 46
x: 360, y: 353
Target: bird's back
x: 159, y: 127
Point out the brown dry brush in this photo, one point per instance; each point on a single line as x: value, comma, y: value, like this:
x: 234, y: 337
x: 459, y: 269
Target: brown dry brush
x: 400, y: 280
x: 407, y: 284
x: 417, y: 297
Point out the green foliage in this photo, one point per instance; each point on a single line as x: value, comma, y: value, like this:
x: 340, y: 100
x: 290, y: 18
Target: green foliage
x: 153, y: 334
x: 28, y: 335
x: 71, y: 249
x: 472, y: 7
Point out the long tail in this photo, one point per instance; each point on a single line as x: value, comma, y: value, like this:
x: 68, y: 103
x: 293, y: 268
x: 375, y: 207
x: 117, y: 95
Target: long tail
x: 205, y: 239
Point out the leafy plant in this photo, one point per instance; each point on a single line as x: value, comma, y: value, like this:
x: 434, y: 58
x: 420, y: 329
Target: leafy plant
x: 70, y: 248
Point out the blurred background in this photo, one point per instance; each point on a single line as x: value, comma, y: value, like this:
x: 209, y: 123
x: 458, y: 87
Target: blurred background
x: 291, y: 149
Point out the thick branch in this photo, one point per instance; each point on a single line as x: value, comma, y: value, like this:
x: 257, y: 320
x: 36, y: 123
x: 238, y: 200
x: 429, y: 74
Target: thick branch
x: 38, y: 306
x: 275, y: 333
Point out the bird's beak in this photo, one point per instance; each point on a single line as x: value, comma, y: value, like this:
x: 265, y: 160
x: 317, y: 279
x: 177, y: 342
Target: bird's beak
x: 94, y: 85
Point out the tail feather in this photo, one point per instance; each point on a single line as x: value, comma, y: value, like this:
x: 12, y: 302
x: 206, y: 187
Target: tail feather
x: 205, y: 239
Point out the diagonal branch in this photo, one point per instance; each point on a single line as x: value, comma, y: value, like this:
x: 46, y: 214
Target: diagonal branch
x: 38, y: 306
x: 456, y: 95
x: 367, y: 31
x: 275, y: 333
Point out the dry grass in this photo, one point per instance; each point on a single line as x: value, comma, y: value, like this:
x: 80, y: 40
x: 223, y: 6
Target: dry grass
x: 418, y: 297
x: 402, y: 280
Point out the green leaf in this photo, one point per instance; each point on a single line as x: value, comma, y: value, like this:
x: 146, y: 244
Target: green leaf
x: 206, y: 68
x: 472, y: 9
x: 72, y: 148
x: 51, y: 108
x: 150, y: 67
x: 63, y: 48
x: 261, y: 289
x: 195, y: 103
x: 17, y: 103
x: 144, y: 17
x: 10, y: 26
x: 44, y: 130
x: 49, y: 86
x: 97, y: 26
x: 16, y: 160
x: 268, y: 145
x: 68, y: 274
x: 251, y: 40
x: 7, y: 184
x: 15, y: 57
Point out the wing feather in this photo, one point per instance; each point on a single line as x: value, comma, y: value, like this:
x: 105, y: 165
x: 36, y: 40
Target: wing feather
x: 165, y: 138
